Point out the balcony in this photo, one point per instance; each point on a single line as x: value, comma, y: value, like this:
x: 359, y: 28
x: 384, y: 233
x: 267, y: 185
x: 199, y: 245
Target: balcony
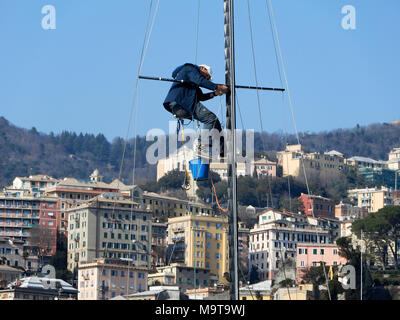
x: 176, y: 239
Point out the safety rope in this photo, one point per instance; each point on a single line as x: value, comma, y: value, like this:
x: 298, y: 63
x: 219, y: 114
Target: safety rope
x: 224, y: 210
x: 186, y: 181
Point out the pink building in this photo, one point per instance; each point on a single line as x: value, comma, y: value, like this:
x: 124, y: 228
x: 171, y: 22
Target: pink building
x: 48, y: 220
x: 311, y: 255
x: 263, y: 168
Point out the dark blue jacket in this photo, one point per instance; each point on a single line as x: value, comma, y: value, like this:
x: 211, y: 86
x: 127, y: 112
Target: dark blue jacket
x: 188, y: 94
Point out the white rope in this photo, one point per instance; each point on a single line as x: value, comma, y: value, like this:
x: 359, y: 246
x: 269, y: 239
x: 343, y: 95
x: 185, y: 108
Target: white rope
x: 287, y: 88
x: 294, y: 120
x: 197, y: 31
x: 263, y: 142
x: 137, y: 89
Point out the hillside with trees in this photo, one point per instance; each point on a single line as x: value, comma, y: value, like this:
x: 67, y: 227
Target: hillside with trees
x: 27, y: 151
x: 374, y: 141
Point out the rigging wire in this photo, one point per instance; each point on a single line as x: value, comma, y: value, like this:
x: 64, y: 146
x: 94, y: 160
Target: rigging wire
x: 145, y: 44
x: 283, y: 256
x: 283, y: 96
x: 137, y: 88
x: 271, y: 12
x: 114, y: 221
x: 269, y: 7
x: 197, y: 31
x: 142, y: 54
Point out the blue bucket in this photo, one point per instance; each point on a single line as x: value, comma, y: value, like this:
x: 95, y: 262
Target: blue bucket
x: 199, y: 169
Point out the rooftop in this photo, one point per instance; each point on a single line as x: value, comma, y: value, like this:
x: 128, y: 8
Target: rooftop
x: 365, y: 159
x: 334, y: 153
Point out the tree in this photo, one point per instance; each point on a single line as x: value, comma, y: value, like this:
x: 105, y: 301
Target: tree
x: 287, y: 283
x: 383, y: 230
x: 353, y: 257
x: 316, y: 276
x: 254, y: 276
x: 259, y: 296
x: 59, y: 262
x: 41, y: 241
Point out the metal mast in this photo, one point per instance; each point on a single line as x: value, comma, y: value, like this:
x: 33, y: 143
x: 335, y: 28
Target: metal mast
x: 231, y: 148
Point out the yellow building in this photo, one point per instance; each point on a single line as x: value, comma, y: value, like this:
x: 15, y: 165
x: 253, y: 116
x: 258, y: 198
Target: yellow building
x: 256, y: 291
x: 165, y: 207
x: 292, y: 157
x: 200, y: 241
x: 372, y: 198
x: 185, y: 277
x: 302, y: 292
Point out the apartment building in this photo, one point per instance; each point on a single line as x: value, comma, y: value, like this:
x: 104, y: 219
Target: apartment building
x: 317, y: 206
x: 243, y: 245
x: 312, y: 255
x: 274, y: 238
x: 200, y: 241
x: 70, y: 192
x: 394, y: 159
x: 293, y: 157
x: 263, y: 167
x: 109, y: 226
x: 24, y: 215
x: 34, y: 183
x: 165, y: 207
x: 346, y: 211
x: 332, y: 225
x: 357, y: 162
x: 158, y: 244
x: 186, y: 278
x: 105, y: 278
x: 372, y: 199
x: 16, y: 253
x: 242, y: 169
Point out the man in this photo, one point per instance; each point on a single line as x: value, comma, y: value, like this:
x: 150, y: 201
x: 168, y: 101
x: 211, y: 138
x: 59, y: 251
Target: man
x: 183, y: 99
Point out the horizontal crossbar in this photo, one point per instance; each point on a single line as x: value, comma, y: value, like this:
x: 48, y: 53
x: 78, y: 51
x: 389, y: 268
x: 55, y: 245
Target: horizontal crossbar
x: 236, y: 86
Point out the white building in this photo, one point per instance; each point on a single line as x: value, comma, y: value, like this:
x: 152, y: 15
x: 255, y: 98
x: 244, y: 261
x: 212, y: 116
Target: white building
x: 276, y: 235
x: 178, y: 161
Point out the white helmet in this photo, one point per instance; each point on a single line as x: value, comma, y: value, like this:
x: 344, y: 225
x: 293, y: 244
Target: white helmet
x: 208, y: 68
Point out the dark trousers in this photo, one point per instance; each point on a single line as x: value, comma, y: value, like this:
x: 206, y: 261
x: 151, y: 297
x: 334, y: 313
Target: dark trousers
x: 200, y: 113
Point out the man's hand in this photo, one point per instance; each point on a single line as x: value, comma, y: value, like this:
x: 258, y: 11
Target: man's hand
x: 221, y: 89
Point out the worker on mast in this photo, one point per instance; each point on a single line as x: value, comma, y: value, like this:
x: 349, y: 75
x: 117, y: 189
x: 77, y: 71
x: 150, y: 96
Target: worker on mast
x: 183, y: 99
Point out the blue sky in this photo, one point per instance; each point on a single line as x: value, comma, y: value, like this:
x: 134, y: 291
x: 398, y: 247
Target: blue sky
x: 81, y: 76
